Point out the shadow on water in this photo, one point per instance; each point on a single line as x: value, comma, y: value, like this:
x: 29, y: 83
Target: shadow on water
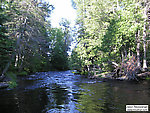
x: 64, y: 92
x: 32, y: 101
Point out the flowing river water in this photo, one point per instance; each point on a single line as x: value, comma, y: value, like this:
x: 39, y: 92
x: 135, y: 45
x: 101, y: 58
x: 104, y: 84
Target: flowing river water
x: 64, y: 92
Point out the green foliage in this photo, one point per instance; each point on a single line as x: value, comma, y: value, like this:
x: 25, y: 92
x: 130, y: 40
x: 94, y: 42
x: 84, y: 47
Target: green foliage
x: 74, y: 61
x: 22, y: 73
x: 28, y: 44
x: 86, y: 73
x: 5, y: 43
x: 59, y: 59
x: 12, y: 76
x: 25, y: 43
x: 12, y: 83
x: 107, y: 31
x: 59, y: 45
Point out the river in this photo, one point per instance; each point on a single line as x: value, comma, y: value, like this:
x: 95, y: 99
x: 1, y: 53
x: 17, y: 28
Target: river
x: 64, y: 92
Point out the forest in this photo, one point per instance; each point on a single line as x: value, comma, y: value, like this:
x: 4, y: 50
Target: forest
x: 101, y: 64
x: 110, y: 35
x: 28, y: 43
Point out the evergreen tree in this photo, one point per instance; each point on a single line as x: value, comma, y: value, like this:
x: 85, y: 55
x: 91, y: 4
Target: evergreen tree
x: 59, y: 55
x: 111, y: 31
x: 6, y: 44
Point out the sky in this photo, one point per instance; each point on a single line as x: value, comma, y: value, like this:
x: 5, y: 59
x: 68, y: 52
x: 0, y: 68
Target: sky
x: 63, y: 9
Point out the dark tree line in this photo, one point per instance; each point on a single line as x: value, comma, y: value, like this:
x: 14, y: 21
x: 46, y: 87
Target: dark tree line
x: 28, y: 43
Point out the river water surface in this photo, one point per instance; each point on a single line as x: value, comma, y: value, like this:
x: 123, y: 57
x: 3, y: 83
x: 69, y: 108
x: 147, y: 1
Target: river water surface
x: 64, y: 92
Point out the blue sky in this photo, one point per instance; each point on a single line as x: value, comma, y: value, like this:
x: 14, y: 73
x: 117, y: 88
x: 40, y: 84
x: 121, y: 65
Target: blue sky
x: 63, y: 9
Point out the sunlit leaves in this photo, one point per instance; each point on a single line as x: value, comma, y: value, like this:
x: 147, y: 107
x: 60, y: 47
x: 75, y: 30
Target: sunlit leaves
x: 108, y: 29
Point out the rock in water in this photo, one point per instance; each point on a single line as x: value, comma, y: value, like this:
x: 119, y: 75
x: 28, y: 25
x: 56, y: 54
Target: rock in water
x: 3, y: 85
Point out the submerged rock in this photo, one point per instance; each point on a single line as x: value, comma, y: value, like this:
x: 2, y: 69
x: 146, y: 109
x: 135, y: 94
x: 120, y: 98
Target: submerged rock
x: 3, y: 85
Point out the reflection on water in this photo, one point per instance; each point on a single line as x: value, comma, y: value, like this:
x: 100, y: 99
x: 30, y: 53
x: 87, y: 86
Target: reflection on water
x: 64, y: 92
x: 32, y: 101
x: 111, y: 97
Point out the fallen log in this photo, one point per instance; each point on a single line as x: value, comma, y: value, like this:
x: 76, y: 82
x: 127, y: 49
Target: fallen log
x: 143, y: 74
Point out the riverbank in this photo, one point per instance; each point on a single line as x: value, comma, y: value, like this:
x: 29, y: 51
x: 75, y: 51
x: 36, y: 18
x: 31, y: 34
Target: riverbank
x: 141, y: 76
x: 7, y: 82
x: 112, y: 76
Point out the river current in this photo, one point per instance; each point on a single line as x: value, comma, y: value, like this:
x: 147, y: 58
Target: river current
x: 64, y: 92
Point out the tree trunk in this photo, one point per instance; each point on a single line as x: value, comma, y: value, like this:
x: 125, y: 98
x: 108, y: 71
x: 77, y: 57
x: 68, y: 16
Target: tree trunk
x: 88, y: 69
x: 7, y: 66
x: 138, y: 48
x: 144, y: 36
x: 125, y: 51
x: 122, y: 55
x: 16, y: 60
x: 148, y: 15
x: 94, y: 70
x: 129, y: 53
x: 144, y: 48
x: 12, y: 58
